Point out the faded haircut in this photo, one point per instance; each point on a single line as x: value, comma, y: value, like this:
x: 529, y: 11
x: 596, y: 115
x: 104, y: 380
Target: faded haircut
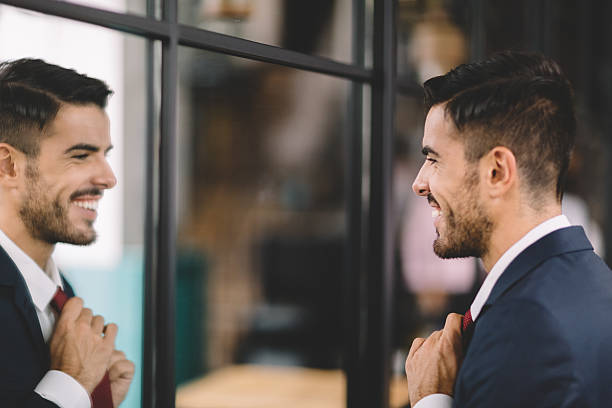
x: 518, y: 100
x: 33, y: 91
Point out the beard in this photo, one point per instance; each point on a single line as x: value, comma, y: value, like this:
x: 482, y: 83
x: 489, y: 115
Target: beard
x: 46, y: 218
x: 468, y: 228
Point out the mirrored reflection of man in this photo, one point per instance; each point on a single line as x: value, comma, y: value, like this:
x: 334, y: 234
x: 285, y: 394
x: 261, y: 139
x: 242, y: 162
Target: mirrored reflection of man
x: 497, y: 140
x: 54, y: 138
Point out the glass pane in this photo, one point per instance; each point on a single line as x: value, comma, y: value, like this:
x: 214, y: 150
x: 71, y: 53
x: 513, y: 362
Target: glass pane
x: 108, y: 274
x: 317, y: 27
x: 261, y: 234
x: 118, y: 6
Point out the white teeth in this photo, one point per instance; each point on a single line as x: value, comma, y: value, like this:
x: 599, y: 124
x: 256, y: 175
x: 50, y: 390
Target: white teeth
x: 435, y: 213
x: 88, y: 205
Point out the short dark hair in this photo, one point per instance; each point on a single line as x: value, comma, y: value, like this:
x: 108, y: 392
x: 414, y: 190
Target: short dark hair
x: 518, y: 100
x: 33, y: 91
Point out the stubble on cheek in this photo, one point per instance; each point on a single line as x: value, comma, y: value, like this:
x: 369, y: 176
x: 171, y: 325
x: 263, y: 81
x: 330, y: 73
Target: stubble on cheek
x: 49, y: 221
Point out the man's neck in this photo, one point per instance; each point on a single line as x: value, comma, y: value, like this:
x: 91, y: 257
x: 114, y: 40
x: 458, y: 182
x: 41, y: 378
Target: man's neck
x: 39, y: 251
x: 510, y: 230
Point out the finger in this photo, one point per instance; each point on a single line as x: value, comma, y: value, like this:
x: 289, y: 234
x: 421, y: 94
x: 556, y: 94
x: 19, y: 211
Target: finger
x: 416, y: 344
x: 85, y: 316
x: 452, y: 327
x: 434, y: 336
x: 110, y: 333
x: 121, y: 369
x: 117, y: 356
x: 453, y: 333
x: 97, y: 323
x: 453, y: 323
x: 72, y: 310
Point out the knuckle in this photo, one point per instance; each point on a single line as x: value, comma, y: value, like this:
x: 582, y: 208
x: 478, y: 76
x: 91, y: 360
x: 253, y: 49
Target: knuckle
x: 416, y: 342
x: 82, y: 327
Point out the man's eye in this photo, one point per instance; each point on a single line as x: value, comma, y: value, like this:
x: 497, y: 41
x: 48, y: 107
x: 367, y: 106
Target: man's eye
x: 429, y: 159
x: 80, y: 156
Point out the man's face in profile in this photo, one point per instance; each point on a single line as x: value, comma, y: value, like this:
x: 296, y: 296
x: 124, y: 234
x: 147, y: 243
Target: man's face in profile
x: 451, y: 186
x: 64, y: 184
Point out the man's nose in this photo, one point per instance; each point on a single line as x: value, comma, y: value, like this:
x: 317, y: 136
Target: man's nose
x: 420, y: 185
x: 106, y: 177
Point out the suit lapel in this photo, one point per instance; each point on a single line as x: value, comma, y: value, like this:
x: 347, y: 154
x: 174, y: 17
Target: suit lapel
x: 558, y: 242
x: 11, y: 277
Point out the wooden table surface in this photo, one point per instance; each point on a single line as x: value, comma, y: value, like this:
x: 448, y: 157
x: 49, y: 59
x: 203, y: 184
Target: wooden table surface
x: 252, y: 386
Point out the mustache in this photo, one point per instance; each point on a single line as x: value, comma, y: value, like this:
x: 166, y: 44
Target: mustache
x: 431, y: 199
x: 89, y: 191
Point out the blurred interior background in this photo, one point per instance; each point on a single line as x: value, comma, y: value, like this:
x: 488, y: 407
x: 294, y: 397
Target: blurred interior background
x: 261, y: 279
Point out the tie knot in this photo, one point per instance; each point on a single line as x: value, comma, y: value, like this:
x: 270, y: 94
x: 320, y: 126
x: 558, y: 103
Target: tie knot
x: 59, y: 300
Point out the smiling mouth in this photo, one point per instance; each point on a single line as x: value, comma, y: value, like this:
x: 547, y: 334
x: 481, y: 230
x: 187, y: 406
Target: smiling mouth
x: 91, y: 205
x: 436, y: 211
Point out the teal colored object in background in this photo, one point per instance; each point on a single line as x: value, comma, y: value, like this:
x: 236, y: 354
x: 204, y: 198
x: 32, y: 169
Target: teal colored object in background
x: 190, y: 342
x: 117, y: 294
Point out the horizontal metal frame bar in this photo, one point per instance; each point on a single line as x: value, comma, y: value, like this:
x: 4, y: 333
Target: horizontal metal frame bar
x: 194, y: 37
x: 208, y: 40
x: 129, y: 23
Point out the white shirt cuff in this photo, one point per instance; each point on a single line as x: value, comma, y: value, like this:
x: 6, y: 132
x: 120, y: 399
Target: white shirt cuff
x: 63, y: 390
x: 435, y: 401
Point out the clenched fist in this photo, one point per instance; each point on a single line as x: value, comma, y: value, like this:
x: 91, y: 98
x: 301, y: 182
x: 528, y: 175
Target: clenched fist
x: 81, y: 346
x: 433, y: 363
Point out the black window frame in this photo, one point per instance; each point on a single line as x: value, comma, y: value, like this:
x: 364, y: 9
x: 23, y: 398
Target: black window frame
x: 369, y: 277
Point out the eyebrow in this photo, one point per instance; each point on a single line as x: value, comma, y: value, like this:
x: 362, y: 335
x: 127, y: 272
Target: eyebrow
x: 88, y: 147
x: 429, y: 151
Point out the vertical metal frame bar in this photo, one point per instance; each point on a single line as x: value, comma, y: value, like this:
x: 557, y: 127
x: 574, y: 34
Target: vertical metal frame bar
x: 354, y: 255
x: 376, y: 364
x: 150, y: 264
x: 166, y: 254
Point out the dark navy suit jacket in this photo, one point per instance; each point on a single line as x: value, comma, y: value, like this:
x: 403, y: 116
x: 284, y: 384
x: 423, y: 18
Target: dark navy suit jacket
x: 24, y: 356
x: 544, y: 336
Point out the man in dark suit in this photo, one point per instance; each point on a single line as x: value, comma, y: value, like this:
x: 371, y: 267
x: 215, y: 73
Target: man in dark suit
x: 54, y: 137
x: 497, y: 139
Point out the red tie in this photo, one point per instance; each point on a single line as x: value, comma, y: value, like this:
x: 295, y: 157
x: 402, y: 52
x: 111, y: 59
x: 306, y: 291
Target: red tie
x: 101, y: 396
x: 467, y: 328
x: 468, y: 323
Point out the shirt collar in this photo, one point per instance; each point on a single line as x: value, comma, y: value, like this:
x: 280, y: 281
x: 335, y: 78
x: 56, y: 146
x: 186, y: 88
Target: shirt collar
x: 506, y: 259
x: 42, y: 285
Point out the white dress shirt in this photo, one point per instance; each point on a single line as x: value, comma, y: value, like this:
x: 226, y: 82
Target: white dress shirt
x: 56, y: 386
x: 545, y: 228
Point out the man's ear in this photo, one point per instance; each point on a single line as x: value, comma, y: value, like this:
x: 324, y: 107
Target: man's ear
x: 500, y: 172
x: 9, y: 169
